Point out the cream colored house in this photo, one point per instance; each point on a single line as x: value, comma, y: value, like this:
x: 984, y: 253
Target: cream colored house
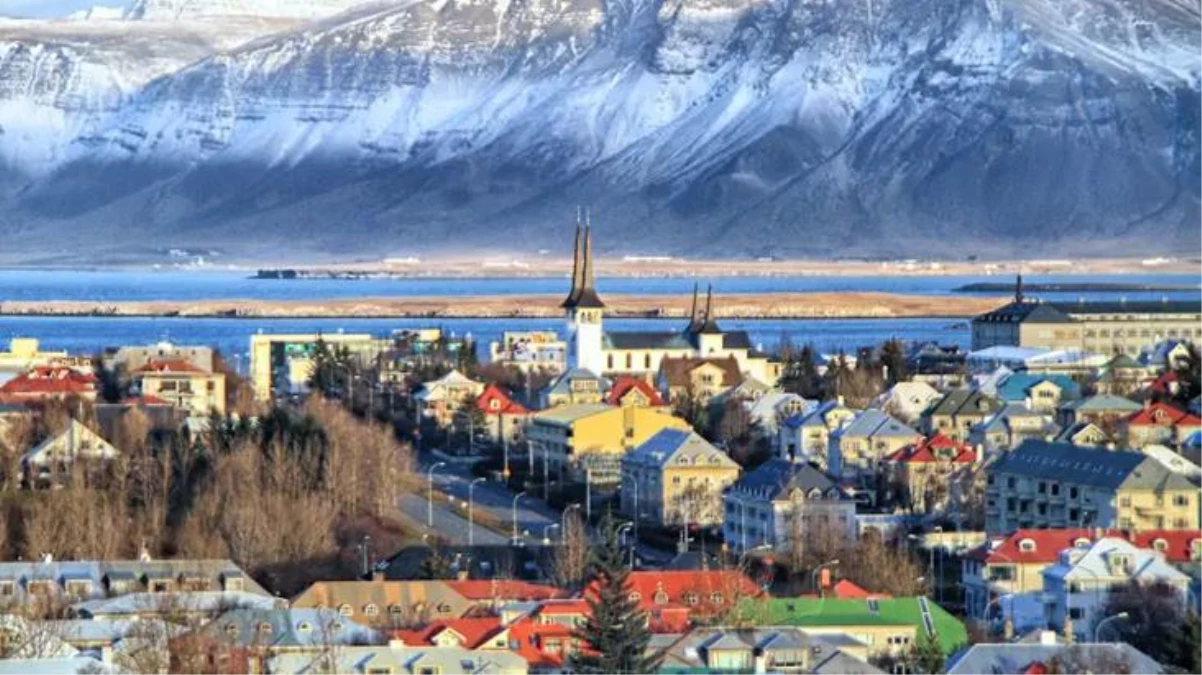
x: 182, y: 384
x: 59, y: 452
x: 442, y: 399
x: 587, y: 442
x: 676, y: 478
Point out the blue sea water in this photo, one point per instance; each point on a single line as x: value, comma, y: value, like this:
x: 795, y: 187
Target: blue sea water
x: 92, y: 334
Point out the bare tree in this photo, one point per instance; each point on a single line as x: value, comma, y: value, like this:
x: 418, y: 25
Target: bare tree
x: 572, y: 556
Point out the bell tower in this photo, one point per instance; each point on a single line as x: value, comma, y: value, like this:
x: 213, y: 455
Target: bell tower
x: 583, y: 307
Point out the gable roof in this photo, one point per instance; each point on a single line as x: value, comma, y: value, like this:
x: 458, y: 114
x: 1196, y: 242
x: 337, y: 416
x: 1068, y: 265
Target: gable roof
x: 625, y: 384
x: 507, y: 406
x: 49, y: 380
x: 1025, y: 312
x: 647, y: 340
x: 1161, y: 414
x: 873, y: 423
x: 1070, y: 463
x: 676, y: 584
x: 962, y: 401
x: 672, y: 446
x: 288, y: 628
x: 504, y: 589
x: 1017, y: 386
x: 69, y: 444
x: 170, y: 366
x: 562, y: 385
x: 778, y: 477
x: 1018, y: 658
x: 676, y: 370
x: 934, y: 449
x: 1102, y: 403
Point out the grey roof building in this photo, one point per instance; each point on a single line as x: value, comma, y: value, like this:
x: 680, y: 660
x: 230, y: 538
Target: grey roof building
x: 1079, y: 658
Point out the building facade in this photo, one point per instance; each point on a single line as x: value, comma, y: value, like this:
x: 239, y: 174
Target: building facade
x: 676, y: 478
x: 783, y: 504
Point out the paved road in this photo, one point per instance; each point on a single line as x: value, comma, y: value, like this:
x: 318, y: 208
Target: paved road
x: 447, y: 523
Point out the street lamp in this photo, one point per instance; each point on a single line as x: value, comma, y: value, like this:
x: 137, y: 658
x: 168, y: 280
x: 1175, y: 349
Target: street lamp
x: 430, y: 494
x: 814, y: 574
x: 1098, y: 629
x: 564, y: 518
x: 547, y: 533
x: 515, y: 515
x: 634, y: 542
x: 471, y: 507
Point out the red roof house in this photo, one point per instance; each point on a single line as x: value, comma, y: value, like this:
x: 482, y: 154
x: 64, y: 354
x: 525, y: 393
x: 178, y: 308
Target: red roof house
x: 168, y: 366
x: 504, y: 589
x: 628, y: 390
x: 1025, y: 547
x: 496, y: 401
x: 937, y: 448
x: 49, y: 382
x: 673, y: 599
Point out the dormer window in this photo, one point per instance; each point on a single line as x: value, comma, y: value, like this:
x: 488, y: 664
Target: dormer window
x: 1160, y: 545
x: 371, y: 610
x: 661, y: 598
x: 346, y: 610
x: 635, y: 596
x: 690, y: 598
x: 1026, y: 545
x: 265, y: 628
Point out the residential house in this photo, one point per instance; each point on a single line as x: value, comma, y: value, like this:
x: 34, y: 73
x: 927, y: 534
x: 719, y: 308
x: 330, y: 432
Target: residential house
x: 1173, y: 461
x: 443, y: 400
x: 781, y: 503
x: 634, y: 391
x: 587, y: 441
x: 247, y: 640
x: 1009, y: 427
x: 578, y: 386
x: 482, y: 562
x: 905, y: 401
x: 59, y: 452
x: 24, y: 584
x: 174, y: 605
x: 26, y: 353
x: 397, y: 660
x: 1122, y: 375
x: 396, y: 604
x: 674, y: 601
x: 530, y: 351
x: 924, y: 475
x: 766, y: 412
x: 889, y: 626
x: 676, y: 478
x: 412, y: 350
x: 1104, y: 410
x: 128, y: 359
x: 1086, y: 434
x: 49, y: 383
x: 1057, y: 485
x: 697, y: 378
x: 505, y: 419
x: 1006, y: 572
x: 1158, y: 423
x: 806, y: 437
x: 858, y: 446
x: 1040, y: 392
x: 181, y: 383
x: 958, y: 412
x: 1077, y: 587
x: 769, y: 649
x: 1050, y: 655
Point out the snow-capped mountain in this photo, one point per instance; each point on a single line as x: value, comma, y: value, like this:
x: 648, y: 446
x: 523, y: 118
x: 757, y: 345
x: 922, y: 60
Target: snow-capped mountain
x: 716, y: 126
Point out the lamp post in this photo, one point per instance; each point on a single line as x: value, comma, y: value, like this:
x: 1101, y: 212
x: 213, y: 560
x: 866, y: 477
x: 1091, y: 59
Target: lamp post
x: 1097, y: 631
x: 547, y: 533
x: 515, y: 515
x: 430, y: 494
x: 471, y: 507
x: 814, y: 575
x: 634, y: 542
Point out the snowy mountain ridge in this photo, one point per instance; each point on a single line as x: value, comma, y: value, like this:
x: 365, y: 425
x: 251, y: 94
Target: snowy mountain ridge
x: 873, y: 128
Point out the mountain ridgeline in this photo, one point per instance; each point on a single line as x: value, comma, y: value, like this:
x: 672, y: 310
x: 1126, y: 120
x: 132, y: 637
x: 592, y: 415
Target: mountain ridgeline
x: 706, y: 127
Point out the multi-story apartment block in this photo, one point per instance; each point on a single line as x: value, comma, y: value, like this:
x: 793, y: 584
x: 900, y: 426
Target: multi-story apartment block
x: 1057, y: 485
x: 676, y: 478
x: 857, y: 448
x: 183, y: 384
x: 1127, y: 327
x: 587, y: 442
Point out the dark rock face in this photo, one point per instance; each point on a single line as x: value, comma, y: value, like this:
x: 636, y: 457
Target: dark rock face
x: 719, y: 127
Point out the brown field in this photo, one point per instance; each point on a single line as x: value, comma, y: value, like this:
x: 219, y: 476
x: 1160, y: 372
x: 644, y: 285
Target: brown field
x: 763, y: 305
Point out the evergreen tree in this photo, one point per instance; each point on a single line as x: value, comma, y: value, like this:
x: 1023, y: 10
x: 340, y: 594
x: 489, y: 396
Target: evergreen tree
x: 893, y: 357
x: 926, y: 656
x: 615, y: 636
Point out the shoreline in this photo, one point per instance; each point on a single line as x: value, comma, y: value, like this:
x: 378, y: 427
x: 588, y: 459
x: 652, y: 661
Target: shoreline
x: 820, y: 305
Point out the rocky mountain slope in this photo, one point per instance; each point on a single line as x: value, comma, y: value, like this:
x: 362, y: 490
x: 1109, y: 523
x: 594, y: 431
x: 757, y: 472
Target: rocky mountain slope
x: 721, y: 127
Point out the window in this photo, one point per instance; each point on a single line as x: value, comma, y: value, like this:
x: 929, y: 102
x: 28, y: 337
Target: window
x: 394, y: 609
x: 1181, y: 500
x: 1160, y: 545
x: 635, y: 596
x: 231, y: 629
x: 371, y: 610
x: 647, y: 361
x: 79, y: 587
x: 717, y: 598
x: 1073, y: 492
x: 160, y: 586
x: 265, y: 628
x: 1124, y: 501
x: 346, y: 610
x: 661, y: 598
x: 1010, y: 482
x: 7, y: 589
x: 690, y: 598
x: 1075, y: 613
x: 1026, y: 545
x: 304, y: 627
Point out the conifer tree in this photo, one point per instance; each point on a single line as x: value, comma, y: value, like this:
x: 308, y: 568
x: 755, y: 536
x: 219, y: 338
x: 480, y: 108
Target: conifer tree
x: 616, y: 635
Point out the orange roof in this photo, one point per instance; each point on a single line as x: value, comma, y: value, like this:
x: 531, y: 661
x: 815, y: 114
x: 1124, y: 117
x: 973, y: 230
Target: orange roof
x: 624, y: 384
x: 561, y: 607
x: 1163, y: 414
x: 695, y: 590
x: 531, y: 638
x: 504, y: 589
x: 414, y: 637
x: 505, y: 403
x: 170, y: 366
x: 47, y: 380
x: 846, y: 590
x: 1049, y: 543
x: 474, y: 631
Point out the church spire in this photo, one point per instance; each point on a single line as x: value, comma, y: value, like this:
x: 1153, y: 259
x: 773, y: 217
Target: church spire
x: 693, y: 310
x: 1018, y: 289
x: 584, y: 292
x: 710, y: 325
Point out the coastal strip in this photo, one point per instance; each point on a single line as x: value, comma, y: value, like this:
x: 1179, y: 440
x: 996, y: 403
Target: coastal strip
x: 846, y: 305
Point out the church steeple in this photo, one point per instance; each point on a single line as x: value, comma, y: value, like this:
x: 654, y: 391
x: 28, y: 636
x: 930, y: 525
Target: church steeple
x: 693, y: 312
x: 584, y: 292
x: 1018, y: 289
x: 710, y: 325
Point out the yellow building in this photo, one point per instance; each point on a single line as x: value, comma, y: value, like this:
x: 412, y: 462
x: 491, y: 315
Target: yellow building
x: 588, y: 441
x: 284, y: 362
x: 1059, y: 485
x: 676, y: 478
x: 26, y: 353
x: 698, y: 378
x: 182, y: 384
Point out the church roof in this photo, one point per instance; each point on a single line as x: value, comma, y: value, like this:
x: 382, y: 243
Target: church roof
x: 583, y: 293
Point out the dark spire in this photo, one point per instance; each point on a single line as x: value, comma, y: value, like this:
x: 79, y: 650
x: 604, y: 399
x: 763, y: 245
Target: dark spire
x: 577, y: 268
x: 584, y: 292
x: 710, y: 325
x: 693, y: 311
x: 1018, y: 288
